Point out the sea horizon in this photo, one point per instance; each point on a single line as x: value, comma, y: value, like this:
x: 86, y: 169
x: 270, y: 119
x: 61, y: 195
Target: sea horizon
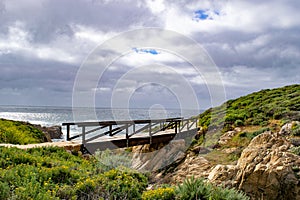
x: 56, y: 115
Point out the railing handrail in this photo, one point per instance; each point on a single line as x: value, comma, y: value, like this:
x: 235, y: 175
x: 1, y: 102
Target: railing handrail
x: 114, y: 127
x: 142, y: 121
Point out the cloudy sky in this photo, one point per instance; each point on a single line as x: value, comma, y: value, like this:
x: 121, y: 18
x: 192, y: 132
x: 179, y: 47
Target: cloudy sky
x: 44, y: 43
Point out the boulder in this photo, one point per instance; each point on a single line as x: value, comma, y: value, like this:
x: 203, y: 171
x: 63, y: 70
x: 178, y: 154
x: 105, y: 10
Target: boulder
x: 265, y: 170
x: 52, y: 132
x: 227, y: 137
x: 147, y: 157
x: 196, y: 166
x: 286, y: 130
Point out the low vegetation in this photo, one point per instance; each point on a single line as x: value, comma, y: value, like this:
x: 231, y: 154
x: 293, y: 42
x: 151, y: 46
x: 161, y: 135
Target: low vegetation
x: 255, y: 109
x: 253, y: 114
x: 15, y: 132
x: 53, y: 173
x: 198, y: 189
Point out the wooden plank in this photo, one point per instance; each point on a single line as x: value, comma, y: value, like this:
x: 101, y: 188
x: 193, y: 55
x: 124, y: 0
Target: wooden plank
x: 102, y: 123
x: 114, y: 132
x: 122, y: 143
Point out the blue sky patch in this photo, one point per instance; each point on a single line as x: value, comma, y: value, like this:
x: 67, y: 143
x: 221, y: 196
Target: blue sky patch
x: 205, y: 14
x: 140, y: 50
x: 201, y: 14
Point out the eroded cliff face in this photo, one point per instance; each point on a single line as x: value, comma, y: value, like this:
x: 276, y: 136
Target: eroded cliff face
x: 266, y: 169
x: 153, y: 158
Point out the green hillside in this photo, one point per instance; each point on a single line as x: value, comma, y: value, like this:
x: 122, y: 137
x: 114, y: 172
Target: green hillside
x: 253, y: 114
x: 255, y: 109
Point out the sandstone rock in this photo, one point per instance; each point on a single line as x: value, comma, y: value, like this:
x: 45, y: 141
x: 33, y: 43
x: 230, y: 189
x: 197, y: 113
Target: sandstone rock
x: 200, y: 150
x: 197, y: 166
x: 287, y: 128
x: 264, y: 170
x: 152, y: 159
x: 227, y: 137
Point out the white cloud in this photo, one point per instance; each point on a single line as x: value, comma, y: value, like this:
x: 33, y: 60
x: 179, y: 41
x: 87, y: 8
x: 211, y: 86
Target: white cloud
x: 156, y: 6
x: 244, y: 16
x: 255, y: 43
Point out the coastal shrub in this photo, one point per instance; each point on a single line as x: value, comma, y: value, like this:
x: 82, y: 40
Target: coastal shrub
x: 159, y: 194
x: 124, y: 184
x: 108, y: 159
x: 296, y: 129
x: 260, y: 131
x: 193, y: 189
x: 221, y: 193
x: 15, y: 132
x: 295, y: 150
x: 255, y: 109
x: 198, y: 189
x: 238, y: 123
x: 53, y: 173
x: 4, y: 190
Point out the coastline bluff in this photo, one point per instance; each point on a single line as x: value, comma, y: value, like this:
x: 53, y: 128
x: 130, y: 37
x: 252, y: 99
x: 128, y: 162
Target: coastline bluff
x: 266, y: 169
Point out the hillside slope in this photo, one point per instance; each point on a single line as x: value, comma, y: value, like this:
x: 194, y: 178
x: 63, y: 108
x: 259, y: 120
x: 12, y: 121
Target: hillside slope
x: 251, y: 143
x: 255, y: 109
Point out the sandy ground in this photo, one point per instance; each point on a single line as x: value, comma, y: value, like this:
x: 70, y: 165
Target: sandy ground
x: 66, y: 145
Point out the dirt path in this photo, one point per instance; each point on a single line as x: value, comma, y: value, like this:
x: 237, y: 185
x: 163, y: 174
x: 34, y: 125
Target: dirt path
x: 66, y: 145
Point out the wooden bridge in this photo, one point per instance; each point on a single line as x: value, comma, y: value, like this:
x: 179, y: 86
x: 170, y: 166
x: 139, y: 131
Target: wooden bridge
x: 119, y: 134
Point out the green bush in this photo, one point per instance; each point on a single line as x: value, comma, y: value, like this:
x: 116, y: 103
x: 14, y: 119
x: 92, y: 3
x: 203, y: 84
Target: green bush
x: 220, y: 193
x: 260, y: 131
x: 295, y: 150
x: 159, y: 194
x: 15, y: 132
x: 239, y: 123
x: 193, y: 189
x: 53, y: 173
x: 254, y: 109
x: 124, y: 184
x: 108, y: 159
x: 197, y: 189
x: 296, y: 130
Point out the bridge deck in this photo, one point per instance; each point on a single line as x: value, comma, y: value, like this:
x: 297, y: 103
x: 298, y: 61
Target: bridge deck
x: 112, y: 134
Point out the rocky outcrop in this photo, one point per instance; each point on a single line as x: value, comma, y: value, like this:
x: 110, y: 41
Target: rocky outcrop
x: 228, y: 136
x: 197, y: 167
x: 265, y: 170
x: 52, y: 132
x: 147, y: 157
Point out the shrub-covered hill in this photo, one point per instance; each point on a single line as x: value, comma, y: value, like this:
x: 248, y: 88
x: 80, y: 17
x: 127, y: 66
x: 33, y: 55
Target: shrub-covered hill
x: 53, y: 173
x: 255, y: 109
x: 15, y: 132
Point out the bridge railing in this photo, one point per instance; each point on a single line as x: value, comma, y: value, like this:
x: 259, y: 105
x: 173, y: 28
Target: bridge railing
x: 91, y: 131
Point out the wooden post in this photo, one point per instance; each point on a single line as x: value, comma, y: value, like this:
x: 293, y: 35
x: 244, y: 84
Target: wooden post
x: 68, y: 132
x: 127, y: 136
x: 110, y: 130
x: 133, y: 128
x: 150, y: 134
x: 188, y: 125
x: 175, y: 127
x: 83, y: 135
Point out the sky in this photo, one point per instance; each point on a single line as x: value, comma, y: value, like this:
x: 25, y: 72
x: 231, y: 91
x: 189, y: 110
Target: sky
x: 253, y: 44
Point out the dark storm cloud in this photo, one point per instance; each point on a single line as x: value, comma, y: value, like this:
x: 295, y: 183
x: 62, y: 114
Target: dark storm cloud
x: 47, y: 19
x: 255, y: 44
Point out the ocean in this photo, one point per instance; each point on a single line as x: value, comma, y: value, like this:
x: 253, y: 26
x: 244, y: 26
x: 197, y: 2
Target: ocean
x: 50, y: 116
